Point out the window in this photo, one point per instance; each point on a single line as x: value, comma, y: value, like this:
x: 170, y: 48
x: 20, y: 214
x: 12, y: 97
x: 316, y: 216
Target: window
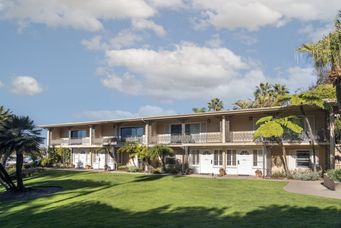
x: 192, y: 129
x: 127, y: 132
x: 195, y: 157
x: 78, y: 134
x: 231, y: 158
x: 303, y: 159
x: 218, y: 158
x: 255, y: 158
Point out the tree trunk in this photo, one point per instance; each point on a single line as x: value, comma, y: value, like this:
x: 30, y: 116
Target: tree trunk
x: 286, y: 169
x: 19, y: 164
x: 338, y: 93
x: 163, y: 164
x: 310, y: 134
x: 6, y: 178
x: 4, y: 158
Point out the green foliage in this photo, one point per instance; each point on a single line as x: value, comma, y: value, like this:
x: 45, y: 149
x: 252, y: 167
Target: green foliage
x: 57, y: 157
x: 243, y: 104
x: 305, y: 175
x: 161, y: 151
x: 270, y: 127
x: 215, y: 105
x: 133, y: 169
x: 334, y: 174
x: 199, y: 110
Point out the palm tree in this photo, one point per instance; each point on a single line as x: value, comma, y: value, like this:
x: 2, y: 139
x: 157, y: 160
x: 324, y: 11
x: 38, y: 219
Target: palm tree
x: 198, y: 110
x: 271, y: 128
x: 20, y: 135
x: 215, y: 105
x: 243, y: 104
x: 161, y: 151
x: 280, y: 90
x: 326, y: 54
x: 263, y: 95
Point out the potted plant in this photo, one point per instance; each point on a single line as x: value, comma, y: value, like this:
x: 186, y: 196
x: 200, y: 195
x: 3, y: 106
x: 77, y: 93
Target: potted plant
x: 222, y: 172
x: 258, y: 173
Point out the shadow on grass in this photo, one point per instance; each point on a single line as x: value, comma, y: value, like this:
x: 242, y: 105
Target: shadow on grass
x: 95, y: 214
x: 153, y: 177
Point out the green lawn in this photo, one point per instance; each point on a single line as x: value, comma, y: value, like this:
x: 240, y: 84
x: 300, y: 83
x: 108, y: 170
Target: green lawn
x: 126, y: 200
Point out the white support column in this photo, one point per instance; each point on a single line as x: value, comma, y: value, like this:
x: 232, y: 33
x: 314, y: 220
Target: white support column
x: 183, y: 128
x: 48, y: 138
x: 223, y: 129
x: 332, y: 140
x: 90, y: 134
x: 146, y: 133
x: 264, y: 160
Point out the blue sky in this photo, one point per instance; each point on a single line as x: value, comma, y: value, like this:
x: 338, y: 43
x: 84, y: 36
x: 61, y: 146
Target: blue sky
x: 86, y: 60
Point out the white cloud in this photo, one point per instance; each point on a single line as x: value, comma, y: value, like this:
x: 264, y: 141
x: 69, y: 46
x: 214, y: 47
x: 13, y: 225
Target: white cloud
x: 214, y: 42
x: 142, y: 24
x: 170, y: 4
x: 26, y: 85
x: 297, y: 78
x: 245, y: 38
x: 1, y: 84
x: 254, y: 14
x: 124, y: 38
x: 86, y: 15
x: 187, y: 72
x: 316, y: 33
x: 144, y: 111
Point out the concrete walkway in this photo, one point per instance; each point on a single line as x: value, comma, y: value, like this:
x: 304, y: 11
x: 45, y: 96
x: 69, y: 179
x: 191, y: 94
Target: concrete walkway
x: 314, y: 188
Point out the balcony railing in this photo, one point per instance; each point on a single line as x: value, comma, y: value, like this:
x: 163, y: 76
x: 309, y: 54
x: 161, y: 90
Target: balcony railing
x: 241, y: 136
x: 212, y: 137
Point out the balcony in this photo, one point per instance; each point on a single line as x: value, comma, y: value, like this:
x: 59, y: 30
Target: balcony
x: 241, y: 136
x: 214, y: 137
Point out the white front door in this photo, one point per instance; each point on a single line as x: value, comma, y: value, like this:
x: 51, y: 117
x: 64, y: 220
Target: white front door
x: 99, y: 161
x: 244, y: 162
x: 80, y: 159
x: 206, y: 162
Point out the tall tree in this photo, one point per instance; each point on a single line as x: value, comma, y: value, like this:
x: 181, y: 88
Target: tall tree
x: 326, y: 55
x: 273, y: 128
x: 20, y: 135
x: 215, y: 105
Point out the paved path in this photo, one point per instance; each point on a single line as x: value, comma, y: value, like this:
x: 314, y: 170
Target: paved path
x: 314, y: 188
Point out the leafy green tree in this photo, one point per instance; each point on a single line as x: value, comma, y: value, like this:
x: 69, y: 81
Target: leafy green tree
x: 215, y: 105
x: 199, y: 110
x: 273, y: 129
x: 267, y: 95
x: 161, y: 151
x: 19, y: 135
x: 326, y: 55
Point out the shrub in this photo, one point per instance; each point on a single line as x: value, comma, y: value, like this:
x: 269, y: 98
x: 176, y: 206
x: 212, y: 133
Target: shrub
x: 156, y: 170
x: 305, y: 175
x: 133, y: 169
x: 278, y: 174
x: 334, y: 174
x: 123, y: 168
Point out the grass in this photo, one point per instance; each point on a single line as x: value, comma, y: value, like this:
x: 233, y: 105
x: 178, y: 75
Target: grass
x: 90, y: 199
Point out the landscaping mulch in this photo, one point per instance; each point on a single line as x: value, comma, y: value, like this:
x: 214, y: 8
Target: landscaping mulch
x: 29, y: 193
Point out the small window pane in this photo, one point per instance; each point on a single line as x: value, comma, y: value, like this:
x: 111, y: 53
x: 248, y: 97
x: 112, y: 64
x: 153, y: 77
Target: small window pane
x: 234, y: 158
x: 255, y: 158
x: 228, y: 158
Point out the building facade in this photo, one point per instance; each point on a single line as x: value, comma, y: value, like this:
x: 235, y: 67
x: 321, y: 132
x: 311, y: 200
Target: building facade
x: 204, y: 142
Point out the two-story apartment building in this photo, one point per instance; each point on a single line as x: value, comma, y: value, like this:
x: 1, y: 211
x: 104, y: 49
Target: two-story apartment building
x: 205, y: 142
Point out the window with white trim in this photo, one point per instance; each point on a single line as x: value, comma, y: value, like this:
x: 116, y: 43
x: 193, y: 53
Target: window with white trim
x: 255, y: 158
x: 218, y: 158
x: 231, y: 158
x: 195, y: 157
x: 303, y: 158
